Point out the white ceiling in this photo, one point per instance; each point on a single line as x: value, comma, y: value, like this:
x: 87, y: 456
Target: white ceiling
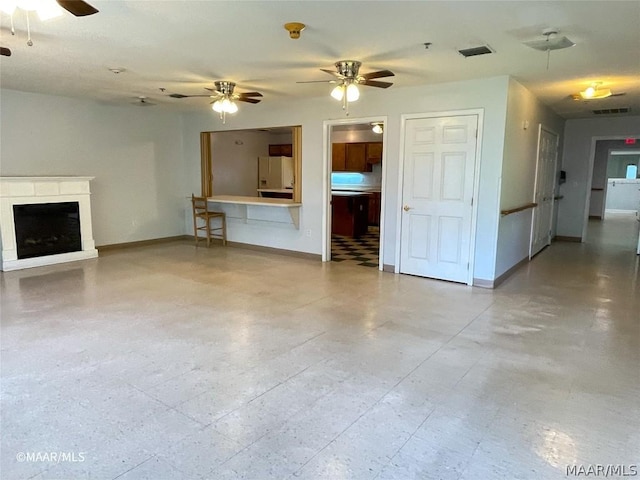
x: 184, y: 46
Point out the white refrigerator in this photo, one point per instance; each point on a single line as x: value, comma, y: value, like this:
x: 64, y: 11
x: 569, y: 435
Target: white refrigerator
x: 275, y: 172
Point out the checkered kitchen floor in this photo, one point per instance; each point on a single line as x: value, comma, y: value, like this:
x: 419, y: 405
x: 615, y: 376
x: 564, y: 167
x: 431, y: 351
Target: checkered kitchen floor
x: 359, y: 251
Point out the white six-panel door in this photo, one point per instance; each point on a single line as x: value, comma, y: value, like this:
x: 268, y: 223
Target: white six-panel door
x: 544, y: 191
x: 437, y: 196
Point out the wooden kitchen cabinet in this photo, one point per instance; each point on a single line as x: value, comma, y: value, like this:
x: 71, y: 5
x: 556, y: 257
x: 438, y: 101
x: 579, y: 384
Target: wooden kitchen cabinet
x: 374, y: 208
x: 355, y: 157
x: 374, y: 152
x: 349, y: 214
x: 338, y: 157
x: 281, y: 150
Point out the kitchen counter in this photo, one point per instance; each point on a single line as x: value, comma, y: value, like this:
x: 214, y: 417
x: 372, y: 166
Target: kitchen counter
x: 356, y: 188
x: 276, y: 190
x: 346, y: 193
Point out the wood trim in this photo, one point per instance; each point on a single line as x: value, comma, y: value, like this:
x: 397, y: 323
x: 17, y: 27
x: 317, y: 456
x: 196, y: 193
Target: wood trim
x: 143, y: 243
x: 518, y: 209
x: 206, y: 176
x: 296, y: 134
x: 277, y: 251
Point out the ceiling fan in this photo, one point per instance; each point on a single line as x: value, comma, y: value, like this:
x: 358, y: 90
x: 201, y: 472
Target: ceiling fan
x: 348, y: 77
x: 45, y: 9
x: 224, y: 98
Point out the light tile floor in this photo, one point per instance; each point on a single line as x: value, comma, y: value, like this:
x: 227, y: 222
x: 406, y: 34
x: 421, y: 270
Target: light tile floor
x: 170, y: 362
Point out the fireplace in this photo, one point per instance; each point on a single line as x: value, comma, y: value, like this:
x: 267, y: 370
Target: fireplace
x: 45, y: 220
x: 47, y: 229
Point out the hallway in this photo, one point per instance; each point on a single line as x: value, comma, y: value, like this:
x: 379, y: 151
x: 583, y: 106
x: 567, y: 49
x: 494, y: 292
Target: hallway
x: 170, y: 362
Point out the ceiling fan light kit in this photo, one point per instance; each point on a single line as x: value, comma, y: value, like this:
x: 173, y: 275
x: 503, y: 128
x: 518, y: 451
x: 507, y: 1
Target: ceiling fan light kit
x: 593, y: 92
x: 224, y: 98
x: 46, y: 10
x: 552, y: 41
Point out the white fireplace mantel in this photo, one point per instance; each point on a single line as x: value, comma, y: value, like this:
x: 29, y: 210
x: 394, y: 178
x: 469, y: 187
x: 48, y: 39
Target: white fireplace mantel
x: 33, y: 190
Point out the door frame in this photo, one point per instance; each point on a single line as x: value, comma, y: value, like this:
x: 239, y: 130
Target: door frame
x: 587, y: 197
x: 476, y: 181
x: 542, y: 127
x: 326, y: 181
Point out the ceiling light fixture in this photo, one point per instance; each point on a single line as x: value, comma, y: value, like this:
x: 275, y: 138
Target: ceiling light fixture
x: 46, y: 10
x: 593, y: 92
x: 377, y: 128
x: 552, y: 41
x: 225, y: 104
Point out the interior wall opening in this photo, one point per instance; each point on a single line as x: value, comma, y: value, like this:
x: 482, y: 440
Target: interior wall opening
x: 356, y: 157
x: 261, y: 162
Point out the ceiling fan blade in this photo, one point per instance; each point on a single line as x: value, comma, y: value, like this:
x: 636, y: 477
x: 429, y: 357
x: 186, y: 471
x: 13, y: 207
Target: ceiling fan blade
x: 332, y: 72
x: 248, y: 100
x: 319, y: 81
x: 79, y: 8
x: 179, y: 95
x: 374, y: 83
x: 380, y: 74
x: 5, y: 51
x: 250, y: 94
x: 213, y: 90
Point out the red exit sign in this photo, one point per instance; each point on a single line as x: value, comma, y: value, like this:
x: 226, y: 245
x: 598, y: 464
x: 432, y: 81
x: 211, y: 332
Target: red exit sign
x: 630, y: 141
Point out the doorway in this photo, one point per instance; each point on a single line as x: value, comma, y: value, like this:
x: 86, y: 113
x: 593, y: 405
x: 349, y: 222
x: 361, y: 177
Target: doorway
x: 355, y: 165
x: 439, y: 164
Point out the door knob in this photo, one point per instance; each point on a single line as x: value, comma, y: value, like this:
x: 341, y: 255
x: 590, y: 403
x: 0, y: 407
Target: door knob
x: 406, y: 208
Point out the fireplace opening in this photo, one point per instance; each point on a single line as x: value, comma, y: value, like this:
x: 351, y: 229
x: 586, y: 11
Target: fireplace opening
x: 47, y: 229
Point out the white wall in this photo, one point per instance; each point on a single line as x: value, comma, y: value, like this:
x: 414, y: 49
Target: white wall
x: 488, y: 94
x: 134, y: 153
x: 234, y: 161
x: 519, y: 171
x: 579, y: 135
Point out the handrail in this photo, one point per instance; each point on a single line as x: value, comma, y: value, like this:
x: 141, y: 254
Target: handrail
x: 519, y: 209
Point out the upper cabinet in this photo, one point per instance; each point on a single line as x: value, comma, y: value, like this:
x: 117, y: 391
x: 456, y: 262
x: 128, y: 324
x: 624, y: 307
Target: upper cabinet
x: 338, y: 157
x: 374, y: 152
x: 281, y: 150
x: 355, y: 157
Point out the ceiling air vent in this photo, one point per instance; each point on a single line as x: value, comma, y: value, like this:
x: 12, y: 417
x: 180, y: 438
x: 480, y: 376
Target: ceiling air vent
x: 474, y: 51
x: 611, y: 111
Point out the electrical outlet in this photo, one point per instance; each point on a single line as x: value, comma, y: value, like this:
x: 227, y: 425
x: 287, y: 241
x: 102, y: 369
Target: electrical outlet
x: 308, y: 232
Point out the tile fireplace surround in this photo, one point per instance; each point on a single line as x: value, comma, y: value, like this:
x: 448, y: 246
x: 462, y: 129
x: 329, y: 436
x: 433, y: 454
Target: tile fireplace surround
x: 38, y: 190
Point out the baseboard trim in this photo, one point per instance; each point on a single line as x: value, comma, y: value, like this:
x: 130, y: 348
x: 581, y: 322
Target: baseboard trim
x: 510, y: 272
x: 277, y: 251
x: 562, y: 238
x: 388, y: 268
x: 142, y: 243
x: 483, y: 283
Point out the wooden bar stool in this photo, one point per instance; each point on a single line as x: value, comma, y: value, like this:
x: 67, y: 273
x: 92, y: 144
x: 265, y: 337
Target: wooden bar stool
x: 204, y: 216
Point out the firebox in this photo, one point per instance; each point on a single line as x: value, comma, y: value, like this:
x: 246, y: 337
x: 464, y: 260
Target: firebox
x: 47, y: 229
